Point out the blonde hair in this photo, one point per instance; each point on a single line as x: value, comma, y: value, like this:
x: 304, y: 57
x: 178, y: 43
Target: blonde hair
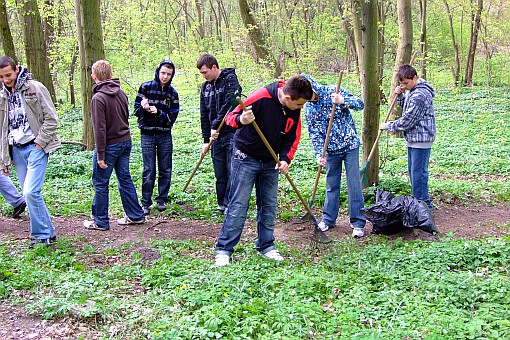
x: 102, y: 70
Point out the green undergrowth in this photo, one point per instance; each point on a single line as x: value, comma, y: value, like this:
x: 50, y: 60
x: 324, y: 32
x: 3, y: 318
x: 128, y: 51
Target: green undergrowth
x: 379, y: 289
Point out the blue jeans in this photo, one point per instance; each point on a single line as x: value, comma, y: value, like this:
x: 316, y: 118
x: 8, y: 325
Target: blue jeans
x: 418, y: 167
x: 354, y: 193
x: 160, y: 146
x: 9, y: 191
x: 221, y: 154
x: 116, y: 157
x: 246, y: 172
x: 31, y: 163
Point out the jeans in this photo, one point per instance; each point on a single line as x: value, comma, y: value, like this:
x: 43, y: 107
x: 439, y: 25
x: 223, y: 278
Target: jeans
x: 31, y: 163
x: 354, y: 193
x: 221, y: 154
x: 246, y: 172
x: 9, y: 192
x: 160, y: 146
x: 116, y: 157
x: 418, y: 167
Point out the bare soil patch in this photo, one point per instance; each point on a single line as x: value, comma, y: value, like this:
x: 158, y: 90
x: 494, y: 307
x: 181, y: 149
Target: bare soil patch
x: 455, y: 221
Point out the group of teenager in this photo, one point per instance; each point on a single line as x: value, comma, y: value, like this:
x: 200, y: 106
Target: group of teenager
x: 241, y: 159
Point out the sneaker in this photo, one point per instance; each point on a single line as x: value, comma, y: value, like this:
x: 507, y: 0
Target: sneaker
x: 162, y: 206
x: 19, y: 209
x: 221, y: 260
x: 273, y: 255
x: 45, y: 242
x: 146, y: 210
x: 91, y: 225
x: 324, y: 227
x: 126, y: 220
x: 358, y: 232
x: 218, y: 213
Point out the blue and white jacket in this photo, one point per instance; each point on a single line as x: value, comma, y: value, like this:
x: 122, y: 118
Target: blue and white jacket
x: 418, y: 121
x: 344, y: 136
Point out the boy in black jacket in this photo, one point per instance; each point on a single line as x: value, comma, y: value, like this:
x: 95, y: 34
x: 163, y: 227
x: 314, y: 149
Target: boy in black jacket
x: 276, y: 108
x: 216, y: 95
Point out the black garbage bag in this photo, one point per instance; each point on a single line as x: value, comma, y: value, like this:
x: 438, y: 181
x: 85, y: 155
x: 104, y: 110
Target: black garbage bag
x: 390, y: 215
x: 416, y: 214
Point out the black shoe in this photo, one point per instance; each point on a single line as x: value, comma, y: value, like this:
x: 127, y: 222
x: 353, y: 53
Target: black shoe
x: 162, y: 206
x: 146, y: 210
x: 218, y: 213
x: 19, y: 209
x: 53, y: 239
x: 45, y: 242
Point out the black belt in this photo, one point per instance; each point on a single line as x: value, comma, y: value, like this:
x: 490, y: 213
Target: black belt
x: 19, y: 145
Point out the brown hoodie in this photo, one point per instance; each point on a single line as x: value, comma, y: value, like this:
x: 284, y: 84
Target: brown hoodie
x: 109, y: 112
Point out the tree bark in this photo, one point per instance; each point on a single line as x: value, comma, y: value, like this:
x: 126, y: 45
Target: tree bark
x: 35, y: 45
x: 475, y: 28
x: 456, y: 60
x: 90, y: 42
x: 257, y: 38
x: 6, y: 36
x: 405, y: 32
x: 423, y: 38
x: 370, y: 83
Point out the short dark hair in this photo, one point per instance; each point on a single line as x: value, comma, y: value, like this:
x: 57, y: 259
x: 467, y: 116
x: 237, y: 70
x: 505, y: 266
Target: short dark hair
x: 406, y: 72
x: 208, y: 60
x: 298, y: 87
x: 7, y: 61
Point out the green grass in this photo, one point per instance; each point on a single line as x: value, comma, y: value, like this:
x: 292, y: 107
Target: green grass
x: 380, y: 290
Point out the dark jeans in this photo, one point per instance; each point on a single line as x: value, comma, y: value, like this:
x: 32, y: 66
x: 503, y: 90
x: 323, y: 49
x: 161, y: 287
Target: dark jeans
x: 221, y: 154
x: 418, y: 167
x: 117, y: 158
x: 160, y: 147
x: 247, y: 172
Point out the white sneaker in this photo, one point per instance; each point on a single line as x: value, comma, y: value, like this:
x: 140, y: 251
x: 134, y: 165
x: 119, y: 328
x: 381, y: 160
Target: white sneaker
x: 358, y: 232
x: 324, y: 227
x: 221, y: 260
x: 126, y: 220
x: 273, y: 255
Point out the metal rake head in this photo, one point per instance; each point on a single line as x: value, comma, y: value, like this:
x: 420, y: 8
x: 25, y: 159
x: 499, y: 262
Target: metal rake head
x: 318, y: 236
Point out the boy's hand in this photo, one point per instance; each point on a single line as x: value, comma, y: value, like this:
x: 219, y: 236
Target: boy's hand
x: 321, y: 161
x: 337, y: 98
x: 399, y: 90
x: 284, y: 167
x: 247, y: 116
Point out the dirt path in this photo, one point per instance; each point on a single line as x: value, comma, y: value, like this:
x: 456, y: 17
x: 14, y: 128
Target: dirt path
x: 452, y: 221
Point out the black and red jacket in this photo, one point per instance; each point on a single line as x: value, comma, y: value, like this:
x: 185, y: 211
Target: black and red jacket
x: 280, y: 125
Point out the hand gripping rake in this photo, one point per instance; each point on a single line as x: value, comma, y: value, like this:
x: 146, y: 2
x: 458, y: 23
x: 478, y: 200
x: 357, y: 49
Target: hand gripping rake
x: 318, y: 235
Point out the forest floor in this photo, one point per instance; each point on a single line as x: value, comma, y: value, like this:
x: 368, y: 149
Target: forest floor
x: 453, y: 221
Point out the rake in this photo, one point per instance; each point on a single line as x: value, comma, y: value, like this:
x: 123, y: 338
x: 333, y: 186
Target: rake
x: 318, y: 235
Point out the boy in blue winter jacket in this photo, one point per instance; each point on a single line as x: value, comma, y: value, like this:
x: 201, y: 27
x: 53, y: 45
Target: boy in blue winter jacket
x: 419, y: 126
x: 343, y: 146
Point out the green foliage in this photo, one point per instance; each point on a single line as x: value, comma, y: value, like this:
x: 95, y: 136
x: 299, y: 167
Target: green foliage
x: 381, y: 289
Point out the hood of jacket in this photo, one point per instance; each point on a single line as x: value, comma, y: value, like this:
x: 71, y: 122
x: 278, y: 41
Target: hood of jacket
x: 164, y: 62
x: 109, y: 87
x: 424, y: 87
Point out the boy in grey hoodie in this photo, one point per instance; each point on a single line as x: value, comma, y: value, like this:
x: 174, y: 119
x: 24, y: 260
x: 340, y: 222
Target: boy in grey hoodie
x: 419, y: 126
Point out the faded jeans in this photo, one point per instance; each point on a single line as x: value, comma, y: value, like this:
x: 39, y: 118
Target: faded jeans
x: 247, y: 172
x: 221, y: 154
x: 9, y: 191
x: 418, y: 167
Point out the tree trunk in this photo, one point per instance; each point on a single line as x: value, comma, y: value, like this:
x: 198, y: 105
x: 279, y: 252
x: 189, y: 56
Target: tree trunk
x: 257, y: 38
x: 370, y: 83
x: 6, y: 36
x: 456, y: 60
x: 423, y: 38
x: 35, y: 45
x: 200, y: 19
x: 358, y: 32
x: 405, y: 32
x: 475, y: 28
x: 90, y: 42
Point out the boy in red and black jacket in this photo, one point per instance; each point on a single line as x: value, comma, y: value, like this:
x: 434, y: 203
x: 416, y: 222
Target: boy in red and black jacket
x: 276, y: 109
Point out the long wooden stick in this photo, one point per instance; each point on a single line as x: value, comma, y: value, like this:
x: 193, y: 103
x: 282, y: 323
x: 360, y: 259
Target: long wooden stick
x: 202, y: 155
x: 326, y: 142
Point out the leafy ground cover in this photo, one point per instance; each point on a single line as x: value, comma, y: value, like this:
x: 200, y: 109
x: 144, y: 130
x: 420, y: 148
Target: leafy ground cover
x: 157, y: 281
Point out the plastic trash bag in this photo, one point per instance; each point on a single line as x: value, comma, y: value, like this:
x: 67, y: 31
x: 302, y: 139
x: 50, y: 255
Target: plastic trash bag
x: 390, y: 215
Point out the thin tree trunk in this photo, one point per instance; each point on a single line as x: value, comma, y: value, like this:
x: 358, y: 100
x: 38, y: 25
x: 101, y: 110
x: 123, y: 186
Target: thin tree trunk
x: 475, y: 28
x: 456, y: 60
x: 90, y: 40
x: 405, y: 32
x: 370, y: 83
x: 257, y: 38
x: 35, y: 45
x: 6, y: 36
x: 423, y: 38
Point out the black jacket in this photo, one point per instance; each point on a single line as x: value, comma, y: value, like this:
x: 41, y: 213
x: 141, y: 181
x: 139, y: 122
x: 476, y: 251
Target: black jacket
x: 216, y: 98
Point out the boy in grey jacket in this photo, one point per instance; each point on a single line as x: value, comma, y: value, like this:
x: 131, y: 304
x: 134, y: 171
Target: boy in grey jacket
x: 419, y: 126
x: 28, y: 129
